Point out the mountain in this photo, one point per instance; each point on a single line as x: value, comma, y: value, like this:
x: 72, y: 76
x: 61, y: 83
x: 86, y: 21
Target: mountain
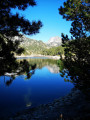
x: 54, y: 41
x: 37, y: 46
x: 32, y: 46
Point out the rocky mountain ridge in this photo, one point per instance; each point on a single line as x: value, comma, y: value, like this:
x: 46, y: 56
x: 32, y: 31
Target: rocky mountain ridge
x: 37, y: 46
x: 54, y: 41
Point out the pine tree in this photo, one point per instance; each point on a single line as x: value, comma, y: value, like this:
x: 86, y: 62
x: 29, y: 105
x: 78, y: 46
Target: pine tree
x: 77, y: 48
x: 11, y: 26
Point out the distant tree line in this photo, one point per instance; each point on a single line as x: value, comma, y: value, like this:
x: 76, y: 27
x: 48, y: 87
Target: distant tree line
x: 53, y: 51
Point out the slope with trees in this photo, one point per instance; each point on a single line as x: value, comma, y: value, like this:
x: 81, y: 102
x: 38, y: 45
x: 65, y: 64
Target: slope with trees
x: 53, y: 51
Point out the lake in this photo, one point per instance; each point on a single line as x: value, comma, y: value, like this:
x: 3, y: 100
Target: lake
x: 44, y: 86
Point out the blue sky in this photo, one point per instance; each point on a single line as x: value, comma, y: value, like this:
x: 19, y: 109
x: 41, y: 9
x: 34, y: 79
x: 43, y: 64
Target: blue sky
x: 47, y: 12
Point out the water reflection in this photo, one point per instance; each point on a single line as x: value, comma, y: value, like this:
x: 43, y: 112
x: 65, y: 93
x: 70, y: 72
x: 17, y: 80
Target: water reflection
x: 37, y: 82
x: 23, y: 67
x: 53, y: 68
x: 76, y: 74
x: 27, y: 98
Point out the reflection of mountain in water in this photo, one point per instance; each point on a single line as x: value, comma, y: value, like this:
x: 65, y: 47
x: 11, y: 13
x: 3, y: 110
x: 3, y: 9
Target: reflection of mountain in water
x: 40, y: 63
x: 53, y: 68
x: 29, y: 69
x: 49, y: 63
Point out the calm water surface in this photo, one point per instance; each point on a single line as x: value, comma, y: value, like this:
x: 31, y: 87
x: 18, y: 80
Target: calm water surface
x: 44, y: 86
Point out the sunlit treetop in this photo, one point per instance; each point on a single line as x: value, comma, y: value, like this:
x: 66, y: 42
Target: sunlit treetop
x: 78, y: 12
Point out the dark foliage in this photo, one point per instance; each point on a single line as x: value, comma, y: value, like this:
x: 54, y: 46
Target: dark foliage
x: 77, y: 49
x: 12, y: 25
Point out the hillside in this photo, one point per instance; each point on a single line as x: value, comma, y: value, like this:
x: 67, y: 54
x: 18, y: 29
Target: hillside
x: 32, y: 46
x: 38, y: 47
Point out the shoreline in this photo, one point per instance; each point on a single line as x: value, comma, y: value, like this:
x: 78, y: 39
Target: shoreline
x: 46, y: 56
x: 73, y: 106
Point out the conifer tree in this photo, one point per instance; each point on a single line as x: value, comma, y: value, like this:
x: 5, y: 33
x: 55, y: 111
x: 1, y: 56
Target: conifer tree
x: 77, y: 48
x: 11, y: 26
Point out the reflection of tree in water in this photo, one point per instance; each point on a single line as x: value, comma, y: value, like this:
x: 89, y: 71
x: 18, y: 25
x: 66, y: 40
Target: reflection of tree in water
x: 50, y: 64
x: 72, y: 72
x: 26, y: 67
x: 41, y: 62
x: 22, y: 67
x: 8, y: 82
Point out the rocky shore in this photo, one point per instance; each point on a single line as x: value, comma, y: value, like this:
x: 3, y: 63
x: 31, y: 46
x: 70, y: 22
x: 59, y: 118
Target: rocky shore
x: 73, y: 106
x: 40, y: 56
